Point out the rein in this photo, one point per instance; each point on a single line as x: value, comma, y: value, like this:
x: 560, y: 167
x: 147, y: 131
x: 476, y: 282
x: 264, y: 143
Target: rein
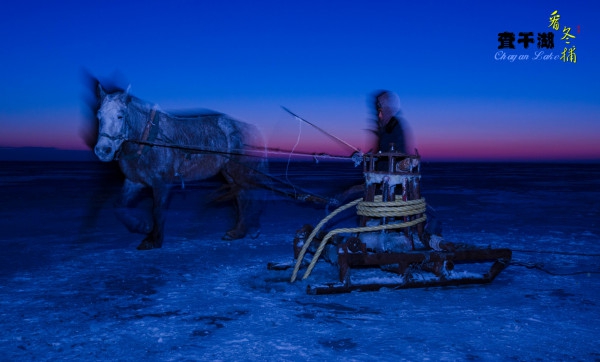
x: 151, y: 131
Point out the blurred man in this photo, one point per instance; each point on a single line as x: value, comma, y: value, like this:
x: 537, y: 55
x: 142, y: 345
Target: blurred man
x: 392, y: 136
x: 390, y: 128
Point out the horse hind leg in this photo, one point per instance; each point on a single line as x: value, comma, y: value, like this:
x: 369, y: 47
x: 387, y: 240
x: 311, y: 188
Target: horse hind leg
x: 251, y: 208
x: 252, y: 202
x: 239, y: 230
x: 248, y: 213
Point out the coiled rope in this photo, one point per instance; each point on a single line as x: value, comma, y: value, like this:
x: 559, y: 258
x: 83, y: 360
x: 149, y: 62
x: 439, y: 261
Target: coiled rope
x: 376, y: 208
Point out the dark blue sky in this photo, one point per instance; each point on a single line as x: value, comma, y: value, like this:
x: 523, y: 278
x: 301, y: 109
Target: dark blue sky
x: 322, y: 60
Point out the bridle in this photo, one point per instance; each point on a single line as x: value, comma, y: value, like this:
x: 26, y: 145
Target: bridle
x: 150, y: 131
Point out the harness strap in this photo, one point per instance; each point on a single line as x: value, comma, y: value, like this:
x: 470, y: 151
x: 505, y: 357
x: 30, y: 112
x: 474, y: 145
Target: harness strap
x: 146, y: 132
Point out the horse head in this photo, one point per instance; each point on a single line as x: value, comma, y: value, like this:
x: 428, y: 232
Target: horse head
x: 112, y: 117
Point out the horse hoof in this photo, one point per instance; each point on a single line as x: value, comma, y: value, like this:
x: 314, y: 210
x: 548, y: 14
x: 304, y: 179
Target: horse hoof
x: 233, y: 235
x: 145, y: 245
x: 148, y: 245
x: 254, y: 233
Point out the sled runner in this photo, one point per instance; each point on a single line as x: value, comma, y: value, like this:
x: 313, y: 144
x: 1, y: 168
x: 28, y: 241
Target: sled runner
x: 393, y: 246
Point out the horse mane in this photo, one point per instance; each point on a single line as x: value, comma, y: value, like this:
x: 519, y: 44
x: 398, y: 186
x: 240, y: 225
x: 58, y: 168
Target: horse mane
x: 194, y: 113
x: 174, y: 114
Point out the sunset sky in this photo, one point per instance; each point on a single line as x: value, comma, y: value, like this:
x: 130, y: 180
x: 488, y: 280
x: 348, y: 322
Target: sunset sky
x: 462, y: 97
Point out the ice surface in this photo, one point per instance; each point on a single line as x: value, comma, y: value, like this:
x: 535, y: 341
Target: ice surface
x: 73, y: 287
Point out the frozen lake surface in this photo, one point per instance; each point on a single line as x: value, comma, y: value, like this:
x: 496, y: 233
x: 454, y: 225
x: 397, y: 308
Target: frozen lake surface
x: 73, y: 286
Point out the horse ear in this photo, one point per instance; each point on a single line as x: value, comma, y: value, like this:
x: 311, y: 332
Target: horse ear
x: 128, y: 96
x: 100, y: 93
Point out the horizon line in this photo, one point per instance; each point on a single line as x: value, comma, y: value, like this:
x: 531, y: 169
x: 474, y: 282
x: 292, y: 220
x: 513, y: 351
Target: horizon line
x: 36, y: 153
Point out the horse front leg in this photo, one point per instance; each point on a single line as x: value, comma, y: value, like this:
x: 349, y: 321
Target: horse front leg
x: 154, y: 240
x: 135, y: 222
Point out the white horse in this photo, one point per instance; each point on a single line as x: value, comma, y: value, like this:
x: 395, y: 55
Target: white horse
x: 156, y: 149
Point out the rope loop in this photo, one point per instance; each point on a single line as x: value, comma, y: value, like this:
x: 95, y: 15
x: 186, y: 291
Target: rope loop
x: 396, y: 208
x: 376, y: 209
